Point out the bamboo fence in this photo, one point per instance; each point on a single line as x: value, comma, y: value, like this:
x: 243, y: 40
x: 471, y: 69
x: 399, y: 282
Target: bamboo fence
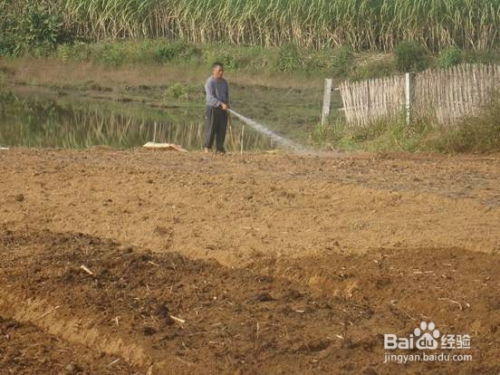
x: 444, y: 95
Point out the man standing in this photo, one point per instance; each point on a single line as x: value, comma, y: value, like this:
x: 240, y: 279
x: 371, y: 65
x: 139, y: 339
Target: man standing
x: 217, y: 104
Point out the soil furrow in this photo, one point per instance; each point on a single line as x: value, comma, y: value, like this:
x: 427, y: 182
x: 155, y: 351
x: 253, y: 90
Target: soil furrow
x: 167, y: 314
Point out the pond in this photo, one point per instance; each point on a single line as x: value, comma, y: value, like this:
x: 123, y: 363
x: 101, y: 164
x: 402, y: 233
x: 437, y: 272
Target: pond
x: 38, y: 120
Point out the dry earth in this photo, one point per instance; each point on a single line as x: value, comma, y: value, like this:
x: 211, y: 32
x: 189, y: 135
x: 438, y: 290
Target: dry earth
x: 262, y: 264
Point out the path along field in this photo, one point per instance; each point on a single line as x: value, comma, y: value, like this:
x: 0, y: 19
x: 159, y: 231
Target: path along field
x: 262, y: 264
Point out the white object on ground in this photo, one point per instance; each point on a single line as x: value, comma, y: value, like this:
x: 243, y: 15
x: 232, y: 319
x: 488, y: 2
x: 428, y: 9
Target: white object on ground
x: 164, y: 146
x: 4, y: 148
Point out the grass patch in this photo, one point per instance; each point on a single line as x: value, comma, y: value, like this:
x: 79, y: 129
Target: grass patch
x: 479, y: 133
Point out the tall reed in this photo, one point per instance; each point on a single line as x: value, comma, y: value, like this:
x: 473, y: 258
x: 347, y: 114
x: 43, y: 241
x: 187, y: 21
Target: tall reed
x: 361, y: 24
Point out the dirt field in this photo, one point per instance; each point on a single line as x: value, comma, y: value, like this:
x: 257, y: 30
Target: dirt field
x: 266, y: 264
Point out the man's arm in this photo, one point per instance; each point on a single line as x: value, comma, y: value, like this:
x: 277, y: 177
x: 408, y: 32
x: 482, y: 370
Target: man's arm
x: 210, y: 93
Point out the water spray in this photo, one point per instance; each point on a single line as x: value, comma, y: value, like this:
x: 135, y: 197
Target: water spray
x: 285, y: 142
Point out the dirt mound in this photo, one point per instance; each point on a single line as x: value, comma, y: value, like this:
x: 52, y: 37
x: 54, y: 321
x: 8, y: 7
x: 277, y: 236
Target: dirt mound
x: 165, y: 313
x: 455, y: 288
x: 25, y: 349
x: 163, y: 309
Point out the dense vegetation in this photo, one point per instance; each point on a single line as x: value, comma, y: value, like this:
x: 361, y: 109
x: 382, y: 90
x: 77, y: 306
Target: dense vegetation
x: 340, y: 63
x: 358, y: 24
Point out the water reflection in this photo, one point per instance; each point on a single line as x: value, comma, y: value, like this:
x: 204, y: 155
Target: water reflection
x: 67, y: 123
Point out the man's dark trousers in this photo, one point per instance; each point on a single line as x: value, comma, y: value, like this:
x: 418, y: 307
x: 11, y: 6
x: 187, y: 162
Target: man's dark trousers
x: 215, y: 127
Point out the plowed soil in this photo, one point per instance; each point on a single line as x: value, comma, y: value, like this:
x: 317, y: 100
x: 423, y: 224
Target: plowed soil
x: 134, y: 262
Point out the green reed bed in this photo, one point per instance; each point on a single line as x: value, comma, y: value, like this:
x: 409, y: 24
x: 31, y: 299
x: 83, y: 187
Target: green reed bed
x: 360, y: 24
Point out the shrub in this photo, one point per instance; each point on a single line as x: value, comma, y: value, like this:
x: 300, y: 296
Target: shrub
x: 255, y: 57
x: 110, y: 54
x: 175, y: 50
x: 39, y: 27
x: 226, y: 55
x: 8, y: 24
x: 342, y: 62
x: 318, y: 60
x: 410, y: 57
x: 229, y: 61
x: 30, y: 27
x: 288, y: 58
x: 373, y: 69
x: 177, y: 91
x: 449, y: 57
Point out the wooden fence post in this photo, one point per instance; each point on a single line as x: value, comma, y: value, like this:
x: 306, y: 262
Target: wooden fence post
x: 409, y: 93
x: 327, y: 97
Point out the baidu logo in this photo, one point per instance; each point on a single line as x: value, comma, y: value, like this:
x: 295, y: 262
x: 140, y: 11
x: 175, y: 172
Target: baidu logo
x: 426, y: 337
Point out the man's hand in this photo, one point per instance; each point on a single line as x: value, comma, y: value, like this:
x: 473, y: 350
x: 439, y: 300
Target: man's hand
x: 224, y: 106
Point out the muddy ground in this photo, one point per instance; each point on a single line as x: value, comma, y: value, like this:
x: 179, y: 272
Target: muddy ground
x: 135, y: 262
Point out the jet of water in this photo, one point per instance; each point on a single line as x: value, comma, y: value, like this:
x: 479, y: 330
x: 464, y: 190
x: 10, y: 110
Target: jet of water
x: 285, y: 142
